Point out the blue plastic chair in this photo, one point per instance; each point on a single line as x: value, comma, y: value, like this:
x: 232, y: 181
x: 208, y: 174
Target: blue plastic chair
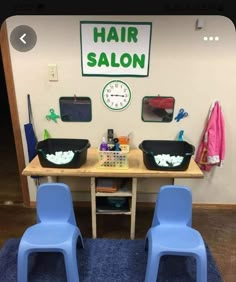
x: 155, y: 219
x: 171, y: 232
x: 55, y: 231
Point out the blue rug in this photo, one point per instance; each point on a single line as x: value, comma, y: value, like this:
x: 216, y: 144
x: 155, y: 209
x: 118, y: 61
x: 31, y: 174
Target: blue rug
x: 103, y: 260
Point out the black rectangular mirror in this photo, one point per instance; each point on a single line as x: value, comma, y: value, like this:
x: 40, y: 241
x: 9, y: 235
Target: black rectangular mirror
x: 75, y: 109
x: 158, y: 108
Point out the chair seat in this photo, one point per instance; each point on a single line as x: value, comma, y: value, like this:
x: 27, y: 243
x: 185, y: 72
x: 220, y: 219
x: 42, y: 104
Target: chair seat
x: 177, y: 238
x: 43, y: 234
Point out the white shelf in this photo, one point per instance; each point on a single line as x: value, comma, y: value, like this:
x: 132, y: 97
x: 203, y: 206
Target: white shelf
x: 114, y: 212
x: 114, y: 194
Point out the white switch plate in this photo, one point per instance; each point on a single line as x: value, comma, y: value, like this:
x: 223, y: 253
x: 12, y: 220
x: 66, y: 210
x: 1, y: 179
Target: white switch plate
x: 52, y: 72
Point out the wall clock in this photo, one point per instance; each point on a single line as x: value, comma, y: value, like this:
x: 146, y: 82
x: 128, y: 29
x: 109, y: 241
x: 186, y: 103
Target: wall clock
x: 116, y: 95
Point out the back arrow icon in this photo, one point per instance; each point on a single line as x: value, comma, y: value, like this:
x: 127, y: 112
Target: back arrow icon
x: 22, y: 38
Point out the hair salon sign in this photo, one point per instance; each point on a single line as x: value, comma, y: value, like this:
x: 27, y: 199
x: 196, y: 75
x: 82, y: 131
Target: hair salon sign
x: 115, y: 48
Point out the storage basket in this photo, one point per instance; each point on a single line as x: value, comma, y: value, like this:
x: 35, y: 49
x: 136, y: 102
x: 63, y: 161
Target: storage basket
x: 152, y: 148
x: 114, y: 159
x: 52, y: 145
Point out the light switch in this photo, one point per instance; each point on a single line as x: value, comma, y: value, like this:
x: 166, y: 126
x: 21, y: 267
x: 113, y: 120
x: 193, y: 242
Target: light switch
x: 52, y: 72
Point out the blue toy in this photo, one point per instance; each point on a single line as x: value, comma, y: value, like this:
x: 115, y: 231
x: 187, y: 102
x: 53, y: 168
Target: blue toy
x: 181, y: 135
x: 181, y: 114
x: 116, y: 145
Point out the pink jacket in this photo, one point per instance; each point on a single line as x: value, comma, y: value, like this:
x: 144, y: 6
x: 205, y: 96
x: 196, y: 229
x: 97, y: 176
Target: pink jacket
x: 211, y: 151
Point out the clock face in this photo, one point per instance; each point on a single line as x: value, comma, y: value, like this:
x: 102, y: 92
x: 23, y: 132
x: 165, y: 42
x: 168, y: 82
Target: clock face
x: 116, y: 95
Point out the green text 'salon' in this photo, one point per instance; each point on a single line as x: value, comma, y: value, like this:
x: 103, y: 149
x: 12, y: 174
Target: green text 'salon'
x: 124, y: 60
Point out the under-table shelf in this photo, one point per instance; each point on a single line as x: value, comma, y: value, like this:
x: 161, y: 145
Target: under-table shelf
x: 105, y: 207
x: 105, y: 202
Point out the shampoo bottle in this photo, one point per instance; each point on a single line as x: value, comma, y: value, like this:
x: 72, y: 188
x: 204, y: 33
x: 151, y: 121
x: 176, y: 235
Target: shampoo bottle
x: 103, y: 146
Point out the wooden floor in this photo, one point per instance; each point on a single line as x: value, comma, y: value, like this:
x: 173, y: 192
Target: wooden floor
x: 217, y: 226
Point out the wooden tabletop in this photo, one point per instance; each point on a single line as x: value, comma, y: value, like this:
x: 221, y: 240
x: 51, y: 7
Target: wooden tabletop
x: 91, y: 168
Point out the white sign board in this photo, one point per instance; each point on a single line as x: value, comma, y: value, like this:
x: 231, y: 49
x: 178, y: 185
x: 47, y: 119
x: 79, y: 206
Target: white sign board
x: 115, y: 48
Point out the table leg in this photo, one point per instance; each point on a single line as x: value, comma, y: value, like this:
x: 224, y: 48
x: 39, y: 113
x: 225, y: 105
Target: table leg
x: 52, y: 179
x: 93, y: 206
x: 133, y: 208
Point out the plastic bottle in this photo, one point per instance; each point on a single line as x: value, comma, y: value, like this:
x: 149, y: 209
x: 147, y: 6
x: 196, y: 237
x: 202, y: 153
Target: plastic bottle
x: 181, y: 135
x: 103, y: 146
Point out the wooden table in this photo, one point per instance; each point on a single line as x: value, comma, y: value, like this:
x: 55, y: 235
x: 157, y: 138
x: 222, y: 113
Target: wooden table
x: 90, y: 169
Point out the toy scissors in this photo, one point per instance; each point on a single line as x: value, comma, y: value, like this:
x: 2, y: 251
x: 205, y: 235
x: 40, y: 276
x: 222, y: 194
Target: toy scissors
x: 53, y: 116
x: 181, y: 114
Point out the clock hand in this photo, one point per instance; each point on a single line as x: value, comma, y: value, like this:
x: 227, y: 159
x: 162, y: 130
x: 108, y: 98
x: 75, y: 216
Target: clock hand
x: 117, y: 95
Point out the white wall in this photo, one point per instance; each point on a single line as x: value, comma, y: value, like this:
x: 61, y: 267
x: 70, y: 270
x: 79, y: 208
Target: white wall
x: 182, y: 65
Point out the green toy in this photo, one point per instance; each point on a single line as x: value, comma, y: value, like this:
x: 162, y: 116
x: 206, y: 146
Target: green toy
x: 53, y: 116
x: 46, y: 134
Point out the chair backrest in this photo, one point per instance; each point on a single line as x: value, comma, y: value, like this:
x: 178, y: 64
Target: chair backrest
x: 54, y: 203
x: 173, y: 205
